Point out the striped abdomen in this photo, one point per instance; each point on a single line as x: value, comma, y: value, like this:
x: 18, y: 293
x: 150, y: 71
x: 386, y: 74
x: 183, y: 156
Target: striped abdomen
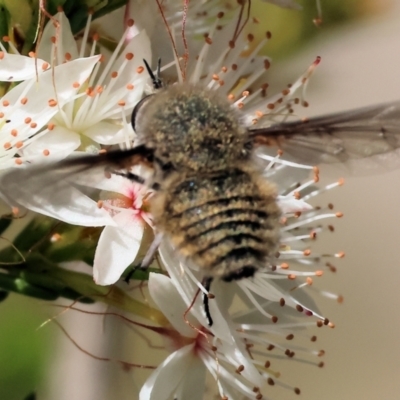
x: 227, y: 223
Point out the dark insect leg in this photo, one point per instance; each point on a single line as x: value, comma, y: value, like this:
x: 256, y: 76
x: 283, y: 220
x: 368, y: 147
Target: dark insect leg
x: 129, y: 175
x: 206, y: 297
x: 148, y: 258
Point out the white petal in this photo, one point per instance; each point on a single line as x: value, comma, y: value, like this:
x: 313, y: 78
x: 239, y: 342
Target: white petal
x: 14, y: 67
x: 105, y: 132
x: 117, y: 248
x: 194, y: 385
x: 65, y: 40
x: 165, y: 379
x: 169, y: 301
x: 60, y: 142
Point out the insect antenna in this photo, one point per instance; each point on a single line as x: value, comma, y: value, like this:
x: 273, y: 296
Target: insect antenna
x: 157, y: 82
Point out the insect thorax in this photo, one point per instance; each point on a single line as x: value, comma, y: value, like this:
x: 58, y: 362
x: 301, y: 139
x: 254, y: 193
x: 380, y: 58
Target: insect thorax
x: 227, y: 222
x: 193, y: 129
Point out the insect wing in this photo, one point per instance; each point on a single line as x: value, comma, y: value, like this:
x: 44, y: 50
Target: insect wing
x: 59, y: 190
x: 341, y: 137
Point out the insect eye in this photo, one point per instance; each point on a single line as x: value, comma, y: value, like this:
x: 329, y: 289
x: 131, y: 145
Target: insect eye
x: 137, y: 108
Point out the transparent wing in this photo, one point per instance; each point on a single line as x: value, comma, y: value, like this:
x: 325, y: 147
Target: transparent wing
x: 58, y: 189
x: 341, y: 137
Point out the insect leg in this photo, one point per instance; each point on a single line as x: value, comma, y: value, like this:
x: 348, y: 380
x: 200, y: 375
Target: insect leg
x: 207, y: 283
x: 129, y: 175
x: 148, y: 258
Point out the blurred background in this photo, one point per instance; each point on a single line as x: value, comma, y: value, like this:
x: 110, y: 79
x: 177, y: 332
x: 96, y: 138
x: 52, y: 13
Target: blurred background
x: 359, y: 42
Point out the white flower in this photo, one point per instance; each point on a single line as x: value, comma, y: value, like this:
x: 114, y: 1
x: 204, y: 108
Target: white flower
x: 195, y: 349
x: 28, y: 107
x: 101, y: 116
x: 118, y: 246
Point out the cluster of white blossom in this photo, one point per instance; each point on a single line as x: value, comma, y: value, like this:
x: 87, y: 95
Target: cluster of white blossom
x: 76, y: 97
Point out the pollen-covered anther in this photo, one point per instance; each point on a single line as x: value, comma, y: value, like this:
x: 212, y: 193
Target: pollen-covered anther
x: 270, y: 347
x: 231, y: 44
x: 270, y: 381
x: 102, y: 151
x: 231, y: 97
x: 292, y: 277
x: 14, y: 132
x: 259, y: 114
x: 33, y: 125
x: 326, y: 321
x: 319, y: 273
x: 67, y: 56
x: 53, y: 39
x: 340, y: 299
x: 221, y: 82
x: 15, y: 211
x: 214, y: 348
x: 19, y: 144
x: 52, y: 102
x: 76, y: 85
x: 239, y: 369
x: 274, y: 319
x: 224, y: 69
x: 114, y: 74
x: 50, y: 126
x: 7, y: 145
x: 307, y: 252
x: 270, y: 106
x: 56, y: 237
x: 45, y: 66
x: 320, y: 324
x: 267, y: 64
x: 285, y: 92
x: 297, y: 390
x: 284, y: 266
x: 140, y: 69
x: 121, y: 103
x: 339, y: 214
x: 28, y: 120
x: 341, y: 182
x: 313, y: 338
x: 240, y: 105
x: 309, y: 281
x: 130, y: 22
x: 220, y: 15
x: 129, y: 86
x: 24, y: 100
x: 129, y: 56
x: 234, y: 67
x: 250, y: 37
x: 215, y: 77
x: 305, y: 103
x: 299, y: 308
x: 321, y: 364
x: 99, y: 89
x: 256, y: 389
x: 290, y: 336
x: 46, y: 152
x: 331, y: 325
x: 208, y: 40
x: 341, y: 254
x: 18, y: 161
x: 95, y: 37
x: 297, y: 214
x: 100, y: 204
x: 321, y: 353
x: 5, y: 103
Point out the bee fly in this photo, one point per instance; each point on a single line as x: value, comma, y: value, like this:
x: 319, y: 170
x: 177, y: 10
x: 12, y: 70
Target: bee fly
x: 211, y: 201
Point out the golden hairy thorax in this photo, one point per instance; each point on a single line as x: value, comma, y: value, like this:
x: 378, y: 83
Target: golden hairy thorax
x: 192, y: 128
